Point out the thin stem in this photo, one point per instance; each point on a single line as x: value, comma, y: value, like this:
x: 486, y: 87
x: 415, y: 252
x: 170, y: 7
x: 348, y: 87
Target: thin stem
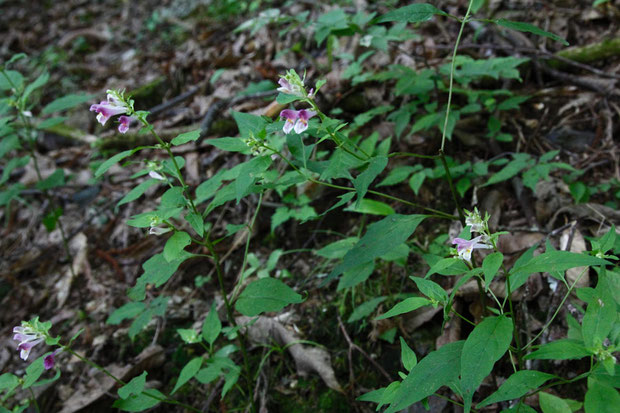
x: 438, y: 214
x: 557, y: 310
x: 456, y: 46
x: 231, y: 317
x: 451, y: 185
x: 412, y: 155
x: 34, y: 400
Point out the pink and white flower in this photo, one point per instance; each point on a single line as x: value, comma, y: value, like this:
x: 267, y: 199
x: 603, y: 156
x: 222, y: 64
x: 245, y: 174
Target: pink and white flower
x: 108, y: 108
x: 290, y: 116
x: 465, y: 247
x: 290, y: 88
x: 28, y: 338
x: 296, y: 119
x: 302, y: 123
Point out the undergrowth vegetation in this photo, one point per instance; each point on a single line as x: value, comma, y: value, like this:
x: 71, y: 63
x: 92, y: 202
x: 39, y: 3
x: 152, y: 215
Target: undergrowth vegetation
x: 418, y: 248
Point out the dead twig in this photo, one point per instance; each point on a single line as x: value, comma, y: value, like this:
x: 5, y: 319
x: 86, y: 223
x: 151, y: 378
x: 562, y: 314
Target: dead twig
x: 353, y: 346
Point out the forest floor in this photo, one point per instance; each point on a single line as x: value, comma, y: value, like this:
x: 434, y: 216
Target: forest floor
x: 184, y: 62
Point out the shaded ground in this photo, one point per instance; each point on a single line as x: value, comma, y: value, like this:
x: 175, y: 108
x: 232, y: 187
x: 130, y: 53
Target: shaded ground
x: 158, y: 50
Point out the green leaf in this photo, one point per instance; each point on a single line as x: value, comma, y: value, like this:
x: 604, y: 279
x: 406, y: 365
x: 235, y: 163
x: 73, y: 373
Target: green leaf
x: 370, y: 206
x: 135, y: 386
x: 526, y: 27
x: 9, y: 143
x: 129, y: 310
x: 186, y: 137
x: 552, y: 404
x: 8, y: 382
x: 432, y: 372
x: 356, y: 275
x: 51, y: 122
x: 13, y: 164
x: 516, y: 386
x: 66, y: 102
x: 174, y: 248
x: 109, y: 162
x: 16, y: 80
x: 266, y: 294
x: 212, y: 325
x: 337, y: 249
x: 137, y: 191
x: 405, y: 306
x: 413, y: 13
x: 39, y: 82
x: 490, y: 265
x: 431, y: 289
x: 554, y: 261
x: 56, y: 179
x: 157, y: 270
x: 229, y: 144
x: 601, y: 398
x: 381, y: 237
x: 397, y: 175
x: 197, y: 223
x: 365, y: 309
x: 485, y: 345
x: 189, y: 371
x: 248, y: 173
x: 600, y: 316
x: 139, y: 402
x: 249, y: 125
x: 565, y: 349
x: 511, y: 169
x: 33, y: 372
x: 407, y: 355
x: 285, y: 98
x: 188, y: 335
x: 416, y: 181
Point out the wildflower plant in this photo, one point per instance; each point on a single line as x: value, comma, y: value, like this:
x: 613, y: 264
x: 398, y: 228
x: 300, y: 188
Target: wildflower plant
x: 305, y: 145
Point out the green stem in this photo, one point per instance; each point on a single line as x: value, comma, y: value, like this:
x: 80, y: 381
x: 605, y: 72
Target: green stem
x: 456, y: 46
x: 438, y: 214
x: 557, y: 310
x: 231, y: 317
x: 451, y: 185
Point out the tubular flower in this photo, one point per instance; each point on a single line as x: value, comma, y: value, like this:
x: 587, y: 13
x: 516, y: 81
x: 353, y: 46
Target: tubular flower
x: 288, y: 88
x: 475, y: 221
x: 125, y: 121
x: 465, y: 247
x: 291, y: 117
x: 108, y: 108
x: 302, y: 123
x: 28, y: 338
x: 49, y: 361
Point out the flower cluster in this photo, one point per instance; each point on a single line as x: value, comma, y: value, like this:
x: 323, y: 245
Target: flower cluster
x: 115, y: 104
x: 464, y: 248
x: 255, y: 145
x: 296, y: 119
x: 31, y: 333
x: 292, y: 84
x: 158, y: 227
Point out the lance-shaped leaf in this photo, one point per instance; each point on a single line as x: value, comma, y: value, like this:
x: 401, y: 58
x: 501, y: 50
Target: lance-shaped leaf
x: 485, y: 345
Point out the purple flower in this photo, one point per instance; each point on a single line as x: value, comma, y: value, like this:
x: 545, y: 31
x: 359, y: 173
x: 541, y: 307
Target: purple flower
x: 291, y: 117
x: 302, y: 122
x: 288, y: 88
x: 49, y: 361
x: 111, y: 107
x: 465, y: 247
x: 28, y: 338
x: 125, y: 121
